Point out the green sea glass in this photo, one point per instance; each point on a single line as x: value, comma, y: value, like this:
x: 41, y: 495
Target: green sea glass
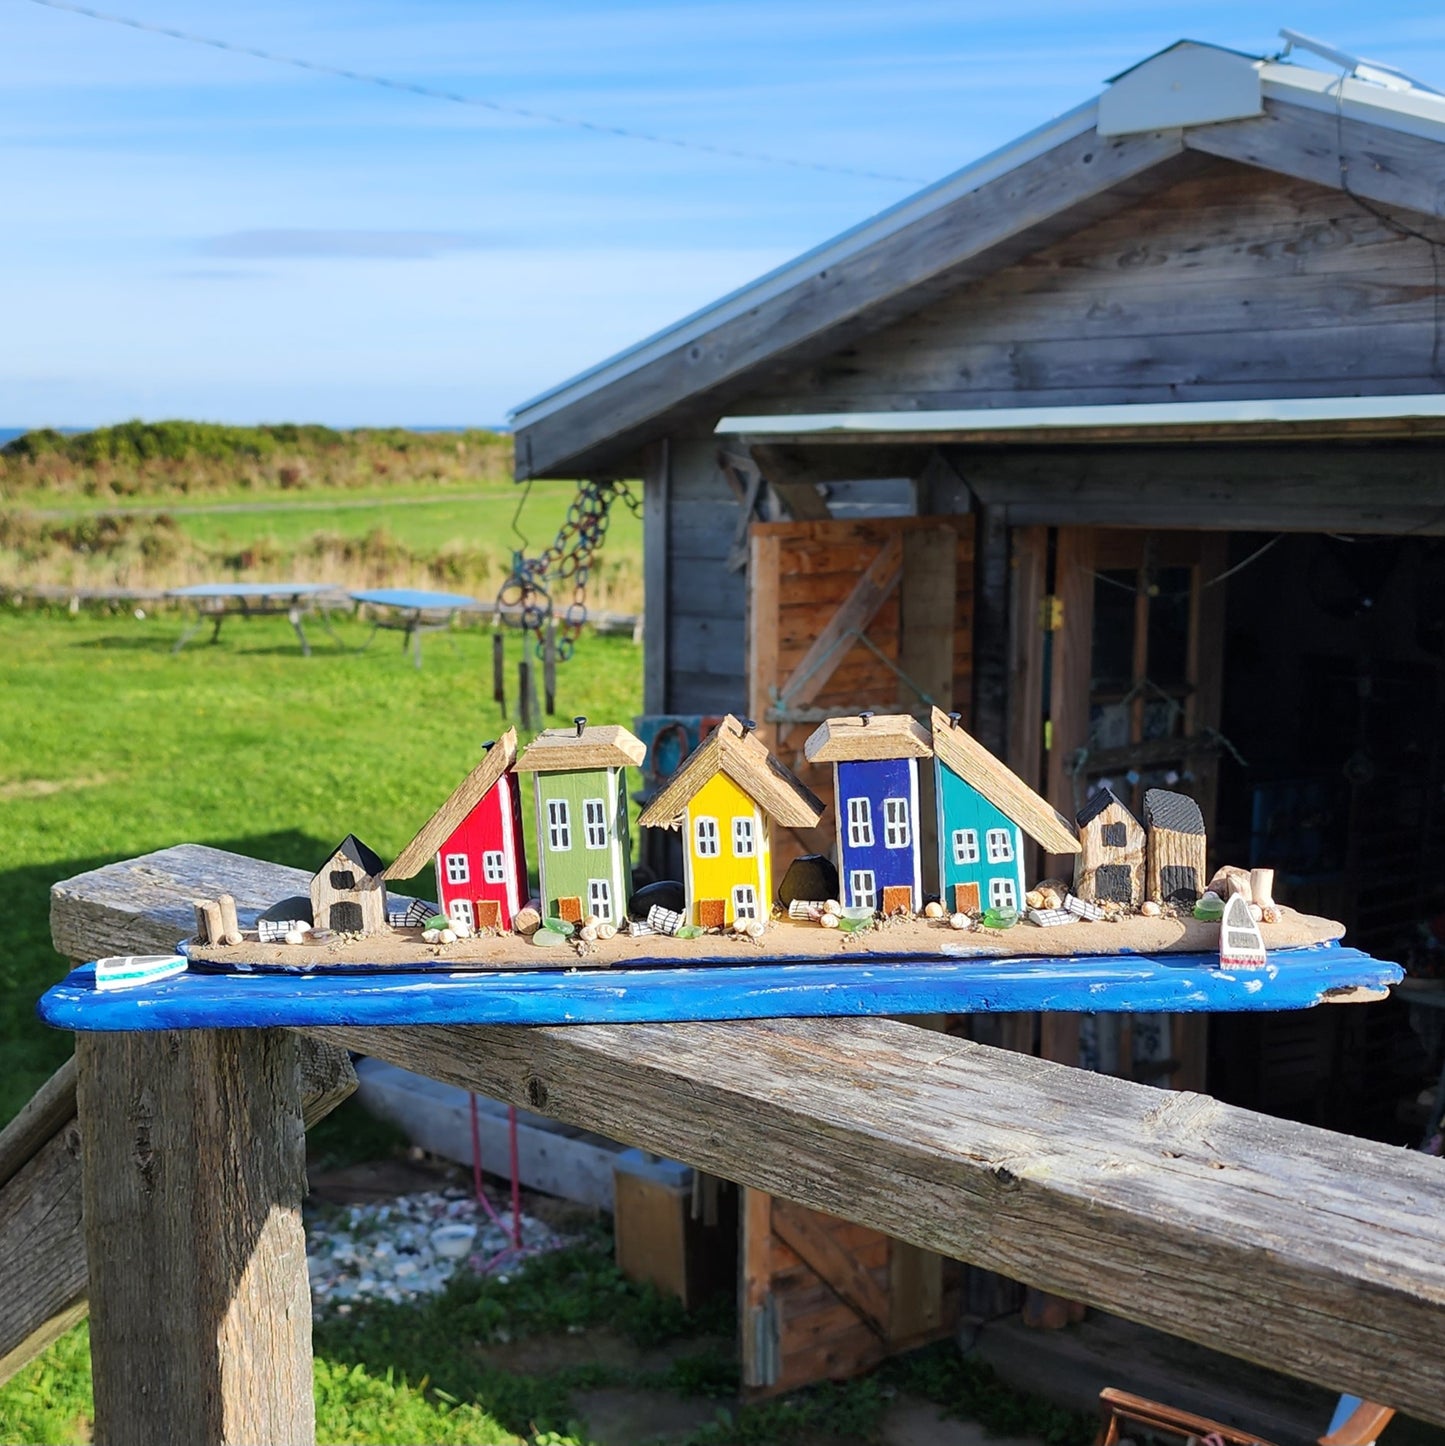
x: 549, y: 938
x: 999, y: 918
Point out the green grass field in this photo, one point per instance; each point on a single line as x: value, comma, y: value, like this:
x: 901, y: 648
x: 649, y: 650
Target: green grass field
x: 111, y: 746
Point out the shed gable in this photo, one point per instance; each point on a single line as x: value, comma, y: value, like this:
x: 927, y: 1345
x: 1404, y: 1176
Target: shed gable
x: 1236, y: 282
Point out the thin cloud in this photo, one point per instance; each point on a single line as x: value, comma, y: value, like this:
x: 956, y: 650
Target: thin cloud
x: 303, y: 244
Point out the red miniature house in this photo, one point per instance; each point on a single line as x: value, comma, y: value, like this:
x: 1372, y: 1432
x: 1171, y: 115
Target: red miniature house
x: 475, y: 839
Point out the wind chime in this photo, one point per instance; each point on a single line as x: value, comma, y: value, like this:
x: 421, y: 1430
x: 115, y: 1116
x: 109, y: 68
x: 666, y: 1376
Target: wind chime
x: 525, y: 600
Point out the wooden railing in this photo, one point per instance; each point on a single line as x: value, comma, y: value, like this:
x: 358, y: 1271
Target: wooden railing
x: 1310, y: 1252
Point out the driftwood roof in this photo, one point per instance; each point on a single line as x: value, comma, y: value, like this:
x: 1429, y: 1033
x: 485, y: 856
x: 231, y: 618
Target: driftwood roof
x: 1003, y: 788
x: 886, y: 735
x: 1143, y: 132
x: 566, y: 750
x: 364, y: 858
x: 1097, y: 802
x: 498, y: 758
x: 742, y: 757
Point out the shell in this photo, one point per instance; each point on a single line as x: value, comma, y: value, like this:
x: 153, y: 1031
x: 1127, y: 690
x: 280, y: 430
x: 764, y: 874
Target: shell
x: 829, y: 921
x: 1256, y: 912
x: 606, y: 931
x: 959, y: 921
x: 1034, y: 899
x: 933, y: 910
x: 756, y: 929
x: 740, y: 925
x: 833, y: 907
x: 1150, y: 909
x: 588, y: 932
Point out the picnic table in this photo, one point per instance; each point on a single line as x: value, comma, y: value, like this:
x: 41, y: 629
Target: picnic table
x: 1313, y: 1253
x: 413, y: 611
x: 214, y: 602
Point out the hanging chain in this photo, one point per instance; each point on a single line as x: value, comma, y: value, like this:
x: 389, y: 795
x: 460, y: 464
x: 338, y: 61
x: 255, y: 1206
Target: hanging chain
x: 526, y: 598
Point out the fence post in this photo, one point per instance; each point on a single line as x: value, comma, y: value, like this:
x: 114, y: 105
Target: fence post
x: 195, y: 1167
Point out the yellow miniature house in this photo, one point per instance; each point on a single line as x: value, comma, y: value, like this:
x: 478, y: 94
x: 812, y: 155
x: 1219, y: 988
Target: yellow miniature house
x: 724, y: 797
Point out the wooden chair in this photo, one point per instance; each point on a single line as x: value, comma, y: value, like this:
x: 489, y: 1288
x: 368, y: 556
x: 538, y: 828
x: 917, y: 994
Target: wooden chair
x: 1355, y: 1422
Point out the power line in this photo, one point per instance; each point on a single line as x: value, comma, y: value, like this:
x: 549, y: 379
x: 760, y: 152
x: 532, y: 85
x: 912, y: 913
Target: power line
x: 480, y: 102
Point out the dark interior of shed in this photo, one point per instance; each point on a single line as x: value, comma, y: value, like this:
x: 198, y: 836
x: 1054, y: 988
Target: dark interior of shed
x: 1335, y: 650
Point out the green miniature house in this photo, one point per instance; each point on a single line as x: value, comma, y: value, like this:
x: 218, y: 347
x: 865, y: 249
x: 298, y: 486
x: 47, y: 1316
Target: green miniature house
x: 584, y: 849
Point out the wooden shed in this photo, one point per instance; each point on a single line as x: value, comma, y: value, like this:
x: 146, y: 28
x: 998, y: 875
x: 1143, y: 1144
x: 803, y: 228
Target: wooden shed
x: 1123, y: 442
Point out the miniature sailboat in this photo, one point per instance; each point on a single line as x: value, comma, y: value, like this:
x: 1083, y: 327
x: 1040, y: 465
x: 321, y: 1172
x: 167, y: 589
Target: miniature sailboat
x: 1241, y: 946
x: 125, y: 971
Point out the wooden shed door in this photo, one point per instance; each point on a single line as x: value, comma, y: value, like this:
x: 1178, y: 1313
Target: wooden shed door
x: 845, y: 615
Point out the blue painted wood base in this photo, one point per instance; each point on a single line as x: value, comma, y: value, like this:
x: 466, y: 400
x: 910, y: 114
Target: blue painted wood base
x: 967, y: 984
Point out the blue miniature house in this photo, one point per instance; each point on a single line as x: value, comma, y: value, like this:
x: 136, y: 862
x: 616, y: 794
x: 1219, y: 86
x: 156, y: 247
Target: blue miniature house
x: 875, y: 775
x: 984, y: 811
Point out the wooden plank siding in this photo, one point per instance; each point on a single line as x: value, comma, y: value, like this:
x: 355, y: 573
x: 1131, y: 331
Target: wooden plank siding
x: 1231, y: 283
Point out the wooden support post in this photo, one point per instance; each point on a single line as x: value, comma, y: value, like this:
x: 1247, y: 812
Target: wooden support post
x: 195, y: 1167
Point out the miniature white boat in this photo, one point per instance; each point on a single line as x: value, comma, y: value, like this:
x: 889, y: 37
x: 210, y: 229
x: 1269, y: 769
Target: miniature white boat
x: 1241, y: 945
x: 125, y: 971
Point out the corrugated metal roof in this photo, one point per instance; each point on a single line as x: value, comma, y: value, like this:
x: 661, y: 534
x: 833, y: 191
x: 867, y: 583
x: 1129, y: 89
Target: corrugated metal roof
x: 1415, y: 111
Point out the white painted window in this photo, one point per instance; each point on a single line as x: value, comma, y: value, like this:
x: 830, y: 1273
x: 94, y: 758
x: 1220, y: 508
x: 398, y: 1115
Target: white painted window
x: 559, y: 825
x: 461, y: 912
x: 965, y: 845
x: 457, y: 870
x: 745, y: 901
x: 862, y: 888
x: 744, y: 844
x: 599, y: 898
x: 705, y: 838
x: 1000, y: 844
x: 494, y: 867
x: 1001, y: 894
x: 897, y: 833
x: 860, y: 824
x: 594, y: 822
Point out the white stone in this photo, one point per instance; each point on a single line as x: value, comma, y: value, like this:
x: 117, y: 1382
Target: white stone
x: 829, y: 921
x: 756, y: 929
x: 933, y: 909
x: 959, y: 921
x: 1150, y: 909
x: 833, y: 907
x: 295, y: 936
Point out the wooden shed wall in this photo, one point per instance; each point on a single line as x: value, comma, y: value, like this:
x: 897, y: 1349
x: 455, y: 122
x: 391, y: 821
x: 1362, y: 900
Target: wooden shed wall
x: 1235, y: 283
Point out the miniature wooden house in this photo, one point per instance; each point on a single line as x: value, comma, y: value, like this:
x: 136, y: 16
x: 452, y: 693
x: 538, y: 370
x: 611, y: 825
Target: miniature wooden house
x: 475, y: 842
x: 583, y: 843
x: 1176, y: 868
x: 348, y: 891
x: 875, y: 777
x: 724, y: 797
x: 984, y: 810
x: 1110, y: 863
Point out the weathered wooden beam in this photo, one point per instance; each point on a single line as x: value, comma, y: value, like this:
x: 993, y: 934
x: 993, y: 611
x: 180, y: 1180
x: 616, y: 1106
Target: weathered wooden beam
x: 42, y: 1252
x: 1078, y: 181
x: 42, y: 1240
x: 194, y: 1171
x: 1249, y: 488
x: 1308, y: 1251
x: 1312, y: 1252
x: 47, y: 1111
x: 1388, y: 167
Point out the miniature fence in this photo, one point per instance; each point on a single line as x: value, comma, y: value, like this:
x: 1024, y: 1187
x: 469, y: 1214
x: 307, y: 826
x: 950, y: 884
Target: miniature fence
x: 1306, y: 1251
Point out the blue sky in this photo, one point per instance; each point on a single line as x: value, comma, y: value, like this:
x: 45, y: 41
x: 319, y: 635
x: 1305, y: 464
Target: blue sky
x: 190, y: 233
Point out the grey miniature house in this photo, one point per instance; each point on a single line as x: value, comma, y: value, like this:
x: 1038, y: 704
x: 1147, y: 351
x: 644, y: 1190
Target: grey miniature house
x: 1176, y: 868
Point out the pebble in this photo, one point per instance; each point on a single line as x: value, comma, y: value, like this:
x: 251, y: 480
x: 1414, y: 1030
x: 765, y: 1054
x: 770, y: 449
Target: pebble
x: 756, y: 929
x: 591, y: 921
x: 829, y: 921
x: 1150, y: 909
x: 960, y: 921
x: 933, y: 910
x: 410, y: 1246
x: 588, y: 933
x: 606, y: 931
x: 462, y: 929
x: 448, y: 936
x: 295, y: 936
x: 431, y: 936
x: 740, y: 925
x: 833, y: 907
x: 1034, y: 899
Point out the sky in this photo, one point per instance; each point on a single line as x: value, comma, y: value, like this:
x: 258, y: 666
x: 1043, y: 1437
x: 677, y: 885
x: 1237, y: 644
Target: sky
x: 192, y: 233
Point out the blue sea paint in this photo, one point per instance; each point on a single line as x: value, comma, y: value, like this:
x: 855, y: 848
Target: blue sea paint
x: 867, y: 983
